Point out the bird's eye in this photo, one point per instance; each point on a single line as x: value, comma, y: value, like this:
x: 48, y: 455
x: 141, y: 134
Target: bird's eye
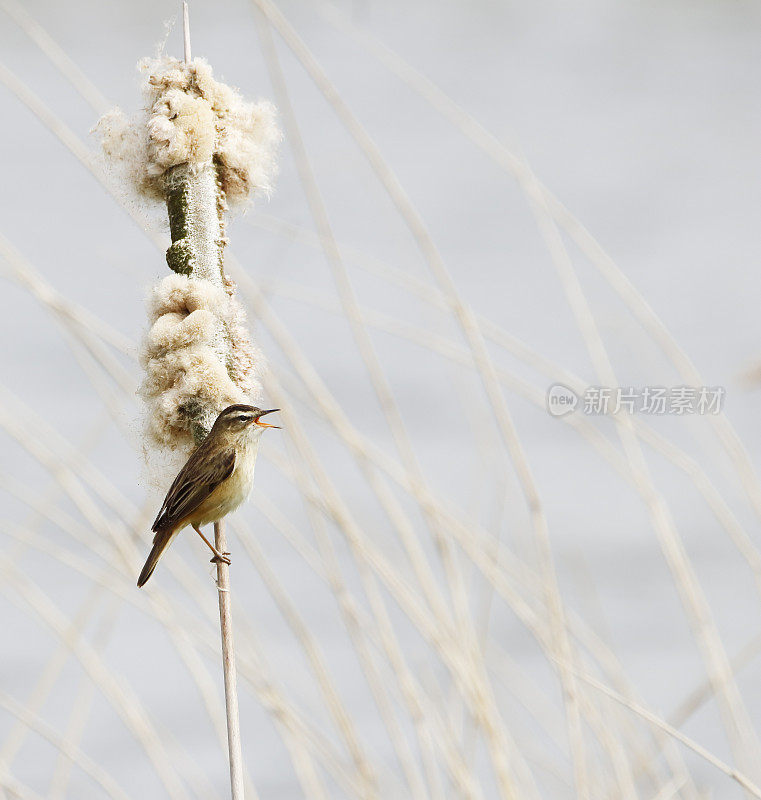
x: 242, y: 418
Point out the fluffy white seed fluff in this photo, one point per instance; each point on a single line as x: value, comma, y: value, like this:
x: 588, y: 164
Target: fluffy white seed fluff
x: 198, y: 358
x: 197, y: 355
x: 189, y: 118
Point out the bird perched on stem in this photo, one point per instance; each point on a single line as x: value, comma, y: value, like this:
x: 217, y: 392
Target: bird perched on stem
x: 215, y: 480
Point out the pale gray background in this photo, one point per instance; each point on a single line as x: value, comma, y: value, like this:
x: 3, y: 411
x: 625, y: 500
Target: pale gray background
x: 642, y: 117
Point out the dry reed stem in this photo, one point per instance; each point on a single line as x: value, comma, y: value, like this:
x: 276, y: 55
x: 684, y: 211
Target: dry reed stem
x: 364, y: 344
x: 473, y: 685
x: 119, y: 695
x: 644, y: 313
x: 16, y: 735
x: 671, y: 789
x: 351, y: 309
x: 75, y: 727
x: 389, y: 327
x: 122, y: 584
x: 736, y: 775
x: 487, y: 576
x: 228, y: 666
x: 660, y: 443
x: 421, y: 714
x: 420, y: 710
x: 354, y: 627
x: 57, y: 55
x: 740, y: 731
x: 496, y: 150
x: 19, y: 791
x: 49, y: 120
x: 86, y: 764
x: 347, y: 298
x: 75, y: 145
x: 318, y: 664
x: 50, y: 674
x: 79, y: 714
x: 486, y: 370
x: 321, y: 395
x: 196, y: 669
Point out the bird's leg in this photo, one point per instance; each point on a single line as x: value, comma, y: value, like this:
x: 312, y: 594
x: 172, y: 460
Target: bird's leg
x: 217, y: 555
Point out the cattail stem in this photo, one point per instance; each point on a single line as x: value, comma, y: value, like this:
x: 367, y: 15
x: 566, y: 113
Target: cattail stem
x: 195, y: 205
x: 228, y: 666
x: 199, y: 147
x: 186, y: 32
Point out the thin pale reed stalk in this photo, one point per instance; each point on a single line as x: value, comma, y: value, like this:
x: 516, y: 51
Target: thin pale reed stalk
x: 26, y: 440
x: 251, y: 668
x: 475, y: 686
x: 661, y: 444
x: 715, y: 501
x: 360, y: 334
x: 50, y: 674
x: 737, y: 724
x: 606, y: 265
x: 267, y: 693
x: 228, y: 666
x: 587, y: 243
x: 475, y: 340
x: 742, y: 779
x: 26, y: 593
x: 71, y: 140
x: 57, y: 55
x: 357, y: 626
x: 312, y: 650
x: 88, y: 766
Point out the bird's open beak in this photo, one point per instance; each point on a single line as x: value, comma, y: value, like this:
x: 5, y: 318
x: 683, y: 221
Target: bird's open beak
x: 266, y: 424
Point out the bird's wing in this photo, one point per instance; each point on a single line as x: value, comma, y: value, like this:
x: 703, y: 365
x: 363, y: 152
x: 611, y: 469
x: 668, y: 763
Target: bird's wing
x: 200, y: 476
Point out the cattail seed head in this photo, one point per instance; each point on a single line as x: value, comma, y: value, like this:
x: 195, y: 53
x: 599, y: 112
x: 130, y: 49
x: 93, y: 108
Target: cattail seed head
x: 199, y: 147
x: 198, y: 358
x: 188, y: 118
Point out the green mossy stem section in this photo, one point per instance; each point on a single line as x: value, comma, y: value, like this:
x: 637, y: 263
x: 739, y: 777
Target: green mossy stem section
x: 196, y: 206
x: 179, y: 257
x: 177, y: 199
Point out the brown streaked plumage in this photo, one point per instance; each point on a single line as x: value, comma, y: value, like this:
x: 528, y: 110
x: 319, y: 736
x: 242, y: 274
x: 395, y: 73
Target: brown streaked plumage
x: 215, y: 480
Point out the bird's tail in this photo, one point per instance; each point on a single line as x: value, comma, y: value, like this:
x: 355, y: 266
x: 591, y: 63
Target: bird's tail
x: 161, y: 541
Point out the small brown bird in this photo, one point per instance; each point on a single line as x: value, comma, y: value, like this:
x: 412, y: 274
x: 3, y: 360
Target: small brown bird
x: 215, y: 480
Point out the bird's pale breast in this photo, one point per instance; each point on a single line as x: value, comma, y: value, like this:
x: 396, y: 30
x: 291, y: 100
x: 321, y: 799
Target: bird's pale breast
x: 231, y: 492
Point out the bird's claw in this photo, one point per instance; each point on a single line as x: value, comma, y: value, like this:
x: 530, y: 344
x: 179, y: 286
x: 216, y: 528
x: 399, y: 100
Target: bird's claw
x: 221, y: 558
